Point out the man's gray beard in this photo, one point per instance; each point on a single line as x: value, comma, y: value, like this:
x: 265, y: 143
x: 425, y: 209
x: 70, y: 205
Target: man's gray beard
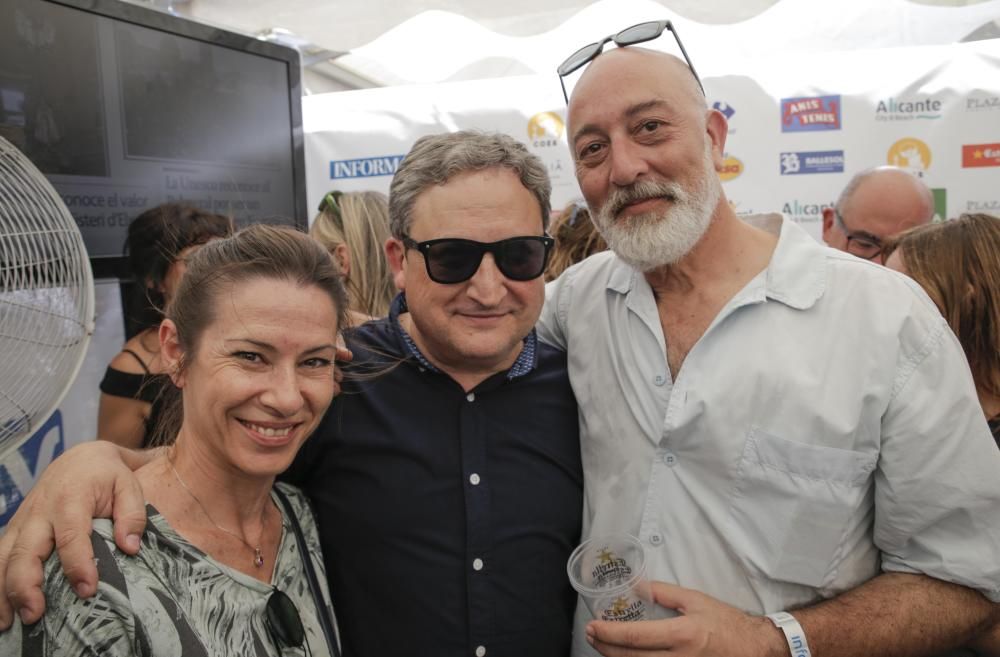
x: 653, y: 239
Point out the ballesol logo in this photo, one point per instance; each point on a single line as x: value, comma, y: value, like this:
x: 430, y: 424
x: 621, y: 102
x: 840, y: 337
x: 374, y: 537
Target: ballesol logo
x: 545, y: 129
x: 982, y: 104
x: 893, y: 109
x: 731, y: 168
x: 981, y: 155
x: 910, y: 153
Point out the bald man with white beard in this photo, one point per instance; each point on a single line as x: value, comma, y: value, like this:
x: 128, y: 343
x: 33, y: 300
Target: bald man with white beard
x: 788, y: 430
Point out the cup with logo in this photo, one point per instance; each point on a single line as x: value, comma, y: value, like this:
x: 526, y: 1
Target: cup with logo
x: 609, y: 573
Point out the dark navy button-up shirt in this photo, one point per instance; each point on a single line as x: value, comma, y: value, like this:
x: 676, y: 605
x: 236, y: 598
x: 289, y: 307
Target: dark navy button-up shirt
x: 446, y: 517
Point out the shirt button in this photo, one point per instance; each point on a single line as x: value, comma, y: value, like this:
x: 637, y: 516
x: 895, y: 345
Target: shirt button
x: 477, y: 564
x: 670, y: 459
x: 474, y: 479
x: 471, y: 396
x: 660, y: 380
x: 481, y: 651
x: 656, y: 539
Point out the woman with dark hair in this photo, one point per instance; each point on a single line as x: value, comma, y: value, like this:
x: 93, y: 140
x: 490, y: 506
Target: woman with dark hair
x: 158, y: 244
x: 229, y: 563
x: 958, y: 265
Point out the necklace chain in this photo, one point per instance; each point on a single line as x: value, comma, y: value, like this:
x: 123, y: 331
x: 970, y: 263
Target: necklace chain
x: 258, y: 555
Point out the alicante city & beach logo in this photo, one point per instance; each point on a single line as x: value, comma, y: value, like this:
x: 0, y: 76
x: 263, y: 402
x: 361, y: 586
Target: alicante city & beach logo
x: 910, y: 153
x: 895, y: 109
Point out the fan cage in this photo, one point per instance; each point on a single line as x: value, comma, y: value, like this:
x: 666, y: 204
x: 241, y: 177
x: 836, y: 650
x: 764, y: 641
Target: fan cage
x: 46, y: 298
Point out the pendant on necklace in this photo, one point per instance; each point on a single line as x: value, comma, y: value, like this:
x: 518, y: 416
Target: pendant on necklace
x: 258, y: 558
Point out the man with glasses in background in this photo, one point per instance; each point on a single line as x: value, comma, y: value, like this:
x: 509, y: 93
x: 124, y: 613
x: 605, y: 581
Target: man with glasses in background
x: 446, y: 478
x: 793, y: 435
x: 877, y: 204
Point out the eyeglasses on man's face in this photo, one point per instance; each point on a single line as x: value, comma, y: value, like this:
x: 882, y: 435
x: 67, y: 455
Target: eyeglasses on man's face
x: 630, y: 36
x: 859, y: 243
x: 453, y: 260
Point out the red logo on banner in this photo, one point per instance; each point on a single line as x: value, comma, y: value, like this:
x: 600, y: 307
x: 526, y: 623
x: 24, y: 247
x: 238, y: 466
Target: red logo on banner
x: 981, y: 155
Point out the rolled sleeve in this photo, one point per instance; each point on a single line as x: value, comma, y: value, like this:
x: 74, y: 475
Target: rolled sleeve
x: 937, y: 506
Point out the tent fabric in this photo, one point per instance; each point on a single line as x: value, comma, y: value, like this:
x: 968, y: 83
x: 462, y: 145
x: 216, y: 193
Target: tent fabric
x: 400, y: 43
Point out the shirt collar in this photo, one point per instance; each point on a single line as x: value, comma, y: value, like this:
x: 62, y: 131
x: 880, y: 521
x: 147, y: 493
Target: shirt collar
x: 796, y: 275
x: 525, y: 363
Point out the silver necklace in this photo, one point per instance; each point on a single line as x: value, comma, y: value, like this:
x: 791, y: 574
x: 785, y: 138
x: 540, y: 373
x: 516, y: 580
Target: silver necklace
x: 258, y: 555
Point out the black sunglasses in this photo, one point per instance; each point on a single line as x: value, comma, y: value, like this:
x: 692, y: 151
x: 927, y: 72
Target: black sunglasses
x: 628, y: 37
x: 283, y: 621
x: 452, y: 260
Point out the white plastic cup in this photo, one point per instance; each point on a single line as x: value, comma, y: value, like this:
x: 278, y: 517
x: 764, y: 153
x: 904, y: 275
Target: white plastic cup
x: 609, y: 573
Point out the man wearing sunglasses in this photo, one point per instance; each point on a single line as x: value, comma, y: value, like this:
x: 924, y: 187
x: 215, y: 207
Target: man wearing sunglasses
x: 877, y: 204
x: 446, y: 479
x: 788, y: 430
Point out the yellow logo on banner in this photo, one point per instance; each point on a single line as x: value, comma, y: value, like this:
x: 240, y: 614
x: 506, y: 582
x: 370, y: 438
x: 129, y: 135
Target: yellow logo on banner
x: 545, y: 129
x: 910, y: 153
x: 731, y: 168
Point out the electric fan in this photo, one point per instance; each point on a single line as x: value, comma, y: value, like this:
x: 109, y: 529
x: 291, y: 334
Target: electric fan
x: 46, y: 298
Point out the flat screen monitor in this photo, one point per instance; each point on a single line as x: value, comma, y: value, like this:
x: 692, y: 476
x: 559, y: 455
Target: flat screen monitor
x: 123, y: 107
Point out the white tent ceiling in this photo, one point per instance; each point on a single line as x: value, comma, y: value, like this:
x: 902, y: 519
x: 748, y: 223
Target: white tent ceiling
x: 363, y: 43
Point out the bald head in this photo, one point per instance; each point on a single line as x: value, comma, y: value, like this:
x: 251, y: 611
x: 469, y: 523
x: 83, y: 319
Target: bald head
x: 638, y: 66
x: 877, y: 204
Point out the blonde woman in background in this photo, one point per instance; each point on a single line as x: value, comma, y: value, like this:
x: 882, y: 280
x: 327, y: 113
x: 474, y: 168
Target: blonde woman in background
x: 353, y: 227
x: 958, y: 265
x: 576, y: 239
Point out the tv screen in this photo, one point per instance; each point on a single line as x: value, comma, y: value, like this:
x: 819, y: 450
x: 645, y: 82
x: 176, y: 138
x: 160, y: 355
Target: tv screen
x: 123, y: 107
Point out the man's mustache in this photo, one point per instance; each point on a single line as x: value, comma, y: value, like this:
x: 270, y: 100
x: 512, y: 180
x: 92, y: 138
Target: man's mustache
x: 641, y: 191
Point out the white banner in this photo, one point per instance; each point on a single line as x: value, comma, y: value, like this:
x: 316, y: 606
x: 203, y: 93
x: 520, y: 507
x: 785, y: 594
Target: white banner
x: 799, y: 127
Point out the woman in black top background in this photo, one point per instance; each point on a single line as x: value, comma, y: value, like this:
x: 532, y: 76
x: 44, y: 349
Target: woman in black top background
x: 132, y: 391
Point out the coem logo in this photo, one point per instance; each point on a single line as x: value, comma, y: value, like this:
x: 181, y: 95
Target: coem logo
x: 545, y: 129
x: 366, y: 167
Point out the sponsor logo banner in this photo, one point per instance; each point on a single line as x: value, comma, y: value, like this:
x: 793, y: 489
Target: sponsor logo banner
x: 731, y: 168
x: 940, y: 203
x: 545, y: 129
x: 981, y: 155
x: 808, y: 114
x: 365, y: 167
x: 804, y: 211
x: 897, y: 109
x: 982, y: 104
x: 910, y: 153
x: 727, y: 111
x: 987, y: 206
x: 803, y: 162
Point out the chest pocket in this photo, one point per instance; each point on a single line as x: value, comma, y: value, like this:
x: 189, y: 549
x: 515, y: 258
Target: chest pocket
x: 793, y: 506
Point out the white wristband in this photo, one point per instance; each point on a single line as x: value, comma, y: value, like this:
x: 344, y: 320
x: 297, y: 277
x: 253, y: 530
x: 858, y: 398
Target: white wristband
x: 794, y: 635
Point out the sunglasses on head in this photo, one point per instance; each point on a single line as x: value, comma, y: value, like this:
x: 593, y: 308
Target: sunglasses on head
x: 331, y: 202
x: 452, y: 260
x: 628, y: 37
x: 283, y: 621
